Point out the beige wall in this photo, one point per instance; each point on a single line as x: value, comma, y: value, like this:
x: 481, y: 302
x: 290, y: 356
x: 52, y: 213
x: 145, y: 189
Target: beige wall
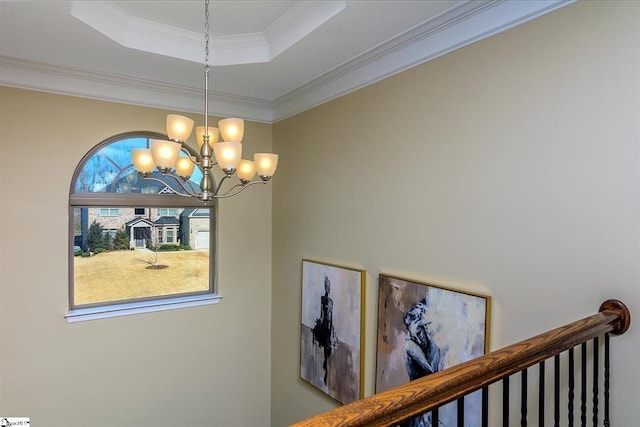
x: 510, y: 167
x: 197, y: 367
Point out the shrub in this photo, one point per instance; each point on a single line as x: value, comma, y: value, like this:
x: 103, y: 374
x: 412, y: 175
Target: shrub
x: 85, y: 254
x: 185, y: 247
x: 121, y: 241
x: 107, y: 241
x: 168, y: 247
x: 97, y: 251
x: 94, y: 235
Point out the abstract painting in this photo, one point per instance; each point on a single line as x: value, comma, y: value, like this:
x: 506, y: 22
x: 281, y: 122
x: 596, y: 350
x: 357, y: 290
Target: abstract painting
x: 423, y: 329
x: 331, y: 329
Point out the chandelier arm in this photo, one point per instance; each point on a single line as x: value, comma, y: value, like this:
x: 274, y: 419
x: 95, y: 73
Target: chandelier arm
x: 179, y: 181
x: 193, y: 158
x: 191, y: 188
x: 229, y: 193
x: 219, y: 186
x: 191, y: 192
x: 196, y: 159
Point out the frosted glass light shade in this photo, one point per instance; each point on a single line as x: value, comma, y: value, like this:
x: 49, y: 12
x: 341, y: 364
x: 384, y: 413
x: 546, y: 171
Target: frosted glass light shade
x: 266, y: 163
x: 184, y: 167
x: 227, y: 154
x: 142, y: 160
x: 179, y: 127
x: 232, y: 129
x: 246, y: 170
x: 164, y: 153
x: 214, y: 135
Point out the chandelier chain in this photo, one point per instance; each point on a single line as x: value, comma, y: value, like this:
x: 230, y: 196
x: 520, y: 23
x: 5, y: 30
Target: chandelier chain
x: 206, y: 70
x: 206, y: 34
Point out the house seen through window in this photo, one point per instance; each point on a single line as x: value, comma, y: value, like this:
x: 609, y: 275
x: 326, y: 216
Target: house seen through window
x: 134, y: 239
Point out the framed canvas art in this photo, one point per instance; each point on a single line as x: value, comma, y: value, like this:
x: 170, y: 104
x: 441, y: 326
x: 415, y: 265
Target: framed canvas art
x: 423, y: 329
x: 332, y: 329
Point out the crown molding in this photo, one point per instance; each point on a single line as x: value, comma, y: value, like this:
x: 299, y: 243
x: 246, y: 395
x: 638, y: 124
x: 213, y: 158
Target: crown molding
x: 137, y: 33
x: 115, y: 88
x: 149, y: 36
x: 458, y: 27
x: 299, y: 21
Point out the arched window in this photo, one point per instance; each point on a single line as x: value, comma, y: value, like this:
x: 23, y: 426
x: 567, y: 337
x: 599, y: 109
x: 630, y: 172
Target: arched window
x: 135, y: 244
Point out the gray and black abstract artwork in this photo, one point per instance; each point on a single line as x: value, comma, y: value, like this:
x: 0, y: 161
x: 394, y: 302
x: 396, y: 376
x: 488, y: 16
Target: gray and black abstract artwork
x: 330, y: 344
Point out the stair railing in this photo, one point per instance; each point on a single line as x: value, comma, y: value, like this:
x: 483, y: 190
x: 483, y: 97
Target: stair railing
x: 428, y: 394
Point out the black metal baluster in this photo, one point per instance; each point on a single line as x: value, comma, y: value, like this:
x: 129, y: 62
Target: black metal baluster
x: 460, y: 405
x: 607, y: 423
x: 485, y: 406
x: 523, y: 403
x: 572, y: 383
x: 435, y: 417
x: 556, y: 391
x: 596, y: 351
x: 583, y: 388
x: 541, y: 396
x: 505, y: 402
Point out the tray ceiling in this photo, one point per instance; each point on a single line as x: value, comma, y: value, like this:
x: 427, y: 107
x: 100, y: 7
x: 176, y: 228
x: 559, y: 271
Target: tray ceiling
x: 270, y: 59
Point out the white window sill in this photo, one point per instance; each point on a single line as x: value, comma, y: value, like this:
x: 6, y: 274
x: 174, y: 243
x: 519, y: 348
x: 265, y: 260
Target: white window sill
x: 126, y: 309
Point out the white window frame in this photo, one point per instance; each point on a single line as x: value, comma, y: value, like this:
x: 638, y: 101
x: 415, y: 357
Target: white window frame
x: 170, y: 235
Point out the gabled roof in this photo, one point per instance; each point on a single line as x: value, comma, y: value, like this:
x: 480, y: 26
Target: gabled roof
x: 195, y: 213
x: 136, y: 221
x: 167, y: 220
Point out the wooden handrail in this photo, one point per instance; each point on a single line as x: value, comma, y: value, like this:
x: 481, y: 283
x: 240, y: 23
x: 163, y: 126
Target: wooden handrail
x: 432, y: 391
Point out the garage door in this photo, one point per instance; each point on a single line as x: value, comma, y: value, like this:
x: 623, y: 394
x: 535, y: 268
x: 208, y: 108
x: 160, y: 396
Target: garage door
x: 202, y: 240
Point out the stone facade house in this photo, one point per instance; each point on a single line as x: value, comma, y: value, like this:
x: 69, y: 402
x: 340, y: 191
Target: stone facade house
x: 146, y: 226
x: 195, y: 230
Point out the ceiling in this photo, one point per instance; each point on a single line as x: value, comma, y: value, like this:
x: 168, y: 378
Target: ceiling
x: 269, y: 59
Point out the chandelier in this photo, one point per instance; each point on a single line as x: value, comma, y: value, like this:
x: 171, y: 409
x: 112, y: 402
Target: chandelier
x: 226, y: 154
